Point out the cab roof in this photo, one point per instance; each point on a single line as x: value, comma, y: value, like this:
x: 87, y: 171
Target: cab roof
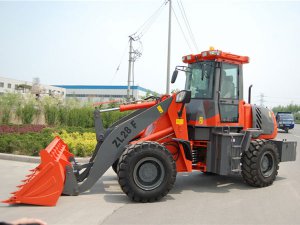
x: 215, y: 55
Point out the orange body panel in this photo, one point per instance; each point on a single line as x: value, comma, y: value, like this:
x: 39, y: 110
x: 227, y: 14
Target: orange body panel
x: 247, y: 116
x: 181, y: 131
x: 45, y: 184
x: 167, y: 127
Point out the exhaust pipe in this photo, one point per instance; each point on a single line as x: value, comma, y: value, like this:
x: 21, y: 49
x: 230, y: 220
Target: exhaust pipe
x: 249, y: 94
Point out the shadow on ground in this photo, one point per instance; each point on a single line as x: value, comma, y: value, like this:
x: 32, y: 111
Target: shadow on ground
x: 195, y: 181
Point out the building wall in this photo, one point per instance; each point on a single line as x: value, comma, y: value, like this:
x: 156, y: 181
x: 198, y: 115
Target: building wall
x: 95, y: 93
x: 9, y: 85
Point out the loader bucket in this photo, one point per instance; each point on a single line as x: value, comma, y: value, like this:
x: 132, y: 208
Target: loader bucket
x: 45, y: 184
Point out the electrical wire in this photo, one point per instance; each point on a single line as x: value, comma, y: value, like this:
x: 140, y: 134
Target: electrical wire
x: 257, y: 96
x: 118, y: 67
x: 142, y: 30
x: 186, y: 40
x: 187, y: 24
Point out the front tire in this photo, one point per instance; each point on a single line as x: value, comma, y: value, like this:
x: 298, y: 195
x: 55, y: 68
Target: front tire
x: 147, y: 172
x: 114, y: 166
x: 260, y: 163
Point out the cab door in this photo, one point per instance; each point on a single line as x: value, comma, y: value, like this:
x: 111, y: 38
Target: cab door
x: 229, y: 93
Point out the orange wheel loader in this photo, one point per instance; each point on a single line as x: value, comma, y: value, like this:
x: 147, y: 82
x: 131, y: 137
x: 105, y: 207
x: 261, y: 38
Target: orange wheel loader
x: 206, y: 127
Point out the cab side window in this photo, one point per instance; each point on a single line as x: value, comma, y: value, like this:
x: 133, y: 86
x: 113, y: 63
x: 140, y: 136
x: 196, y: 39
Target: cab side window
x: 229, y: 94
x: 229, y: 82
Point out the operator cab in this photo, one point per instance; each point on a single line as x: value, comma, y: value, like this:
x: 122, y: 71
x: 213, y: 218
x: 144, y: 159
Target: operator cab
x: 216, y: 84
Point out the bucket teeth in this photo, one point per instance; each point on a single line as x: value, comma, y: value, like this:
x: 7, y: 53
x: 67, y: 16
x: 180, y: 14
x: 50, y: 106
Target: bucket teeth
x: 7, y: 201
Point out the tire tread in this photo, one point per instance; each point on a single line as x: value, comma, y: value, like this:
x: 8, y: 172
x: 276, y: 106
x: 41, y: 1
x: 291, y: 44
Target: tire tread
x: 250, y: 167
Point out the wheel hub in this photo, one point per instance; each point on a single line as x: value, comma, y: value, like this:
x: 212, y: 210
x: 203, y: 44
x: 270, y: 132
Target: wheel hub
x: 267, y: 164
x: 148, y: 173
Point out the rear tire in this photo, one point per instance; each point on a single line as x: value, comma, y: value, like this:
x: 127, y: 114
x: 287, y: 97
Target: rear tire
x: 209, y: 173
x: 260, y: 163
x: 147, y: 171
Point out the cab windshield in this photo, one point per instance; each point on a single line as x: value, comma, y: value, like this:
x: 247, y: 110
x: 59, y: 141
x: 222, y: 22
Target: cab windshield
x: 199, y: 79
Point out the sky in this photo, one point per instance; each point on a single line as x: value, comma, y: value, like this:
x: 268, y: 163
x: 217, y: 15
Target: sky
x: 84, y: 42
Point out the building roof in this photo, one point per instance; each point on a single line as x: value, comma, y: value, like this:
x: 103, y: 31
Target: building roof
x: 103, y: 87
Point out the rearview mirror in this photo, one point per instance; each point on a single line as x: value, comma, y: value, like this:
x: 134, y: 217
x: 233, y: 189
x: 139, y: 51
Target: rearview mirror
x: 174, y: 76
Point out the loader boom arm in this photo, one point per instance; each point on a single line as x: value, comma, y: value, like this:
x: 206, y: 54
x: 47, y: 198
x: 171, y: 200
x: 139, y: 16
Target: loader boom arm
x: 115, y: 143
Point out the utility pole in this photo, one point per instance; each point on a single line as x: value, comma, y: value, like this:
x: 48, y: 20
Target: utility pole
x: 133, y: 79
x: 129, y: 66
x: 261, y: 99
x: 169, y: 50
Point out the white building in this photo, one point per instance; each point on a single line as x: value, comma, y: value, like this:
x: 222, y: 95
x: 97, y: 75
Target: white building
x: 100, y: 93
x: 20, y: 86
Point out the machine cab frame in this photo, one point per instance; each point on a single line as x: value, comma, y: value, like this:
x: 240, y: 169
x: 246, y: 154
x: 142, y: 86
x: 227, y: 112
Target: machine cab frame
x: 216, y: 84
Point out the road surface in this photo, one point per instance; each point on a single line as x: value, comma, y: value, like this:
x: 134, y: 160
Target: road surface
x: 195, y: 199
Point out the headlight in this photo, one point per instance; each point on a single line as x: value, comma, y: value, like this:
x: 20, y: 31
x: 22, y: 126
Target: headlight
x: 180, y: 96
x: 183, y: 96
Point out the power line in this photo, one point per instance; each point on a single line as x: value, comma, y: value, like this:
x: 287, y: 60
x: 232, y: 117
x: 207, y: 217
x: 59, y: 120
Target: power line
x: 136, y: 36
x: 187, y: 24
x: 287, y: 98
x: 141, y: 31
x: 118, y: 67
x: 186, y: 40
x: 282, y: 97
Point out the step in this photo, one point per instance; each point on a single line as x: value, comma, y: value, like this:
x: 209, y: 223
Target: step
x: 235, y: 158
x: 236, y: 146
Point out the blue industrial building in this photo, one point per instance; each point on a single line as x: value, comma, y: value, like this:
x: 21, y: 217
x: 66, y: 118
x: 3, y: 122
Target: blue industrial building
x: 104, y: 92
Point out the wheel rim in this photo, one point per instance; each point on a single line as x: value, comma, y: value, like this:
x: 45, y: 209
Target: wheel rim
x: 267, y: 164
x: 148, y: 173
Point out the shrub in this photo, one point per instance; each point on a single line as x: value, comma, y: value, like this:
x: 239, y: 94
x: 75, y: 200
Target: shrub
x: 80, y: 144
x: 4, y: 129
x: 82, y: 117
x: 51, y: 109
x: 27, y: 110
x: 25, y: 144
x: 8, y: 102
x: 63, y: 115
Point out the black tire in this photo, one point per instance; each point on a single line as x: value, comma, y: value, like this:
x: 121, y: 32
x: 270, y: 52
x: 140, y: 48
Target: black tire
x: 147, y: 172
x: 209, y: 173
x: 114, y: 166
x: 260, y: 163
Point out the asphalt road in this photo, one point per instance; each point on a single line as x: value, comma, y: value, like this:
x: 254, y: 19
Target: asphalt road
x: 195, y: 199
